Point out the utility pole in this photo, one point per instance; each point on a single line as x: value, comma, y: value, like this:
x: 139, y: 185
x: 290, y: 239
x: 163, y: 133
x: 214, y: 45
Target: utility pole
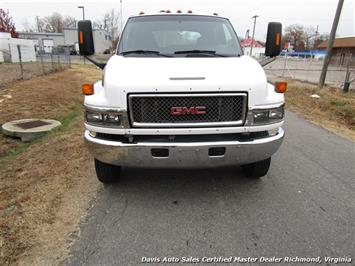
x: 121, y: 22
x: 252, y: 41
x: 247, y: 34
x: 37, y: 22
x: 330, y: 45
x: 83, y: 8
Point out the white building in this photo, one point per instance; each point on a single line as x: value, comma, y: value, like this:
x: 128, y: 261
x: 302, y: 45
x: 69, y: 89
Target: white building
x: 48, y: 40
x: 9, y: 49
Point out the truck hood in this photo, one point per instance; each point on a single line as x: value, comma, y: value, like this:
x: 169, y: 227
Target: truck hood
x: 124, y: 75
x: 166, y: 73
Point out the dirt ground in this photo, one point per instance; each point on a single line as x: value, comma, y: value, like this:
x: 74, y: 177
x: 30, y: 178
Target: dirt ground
x: 333, y: 110
x: 47, y: 186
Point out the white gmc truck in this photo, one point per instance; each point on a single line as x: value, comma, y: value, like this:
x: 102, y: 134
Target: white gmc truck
x: 179, y: 93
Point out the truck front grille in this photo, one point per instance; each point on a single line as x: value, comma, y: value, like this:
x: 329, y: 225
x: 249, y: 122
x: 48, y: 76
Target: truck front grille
x: 192, y: 110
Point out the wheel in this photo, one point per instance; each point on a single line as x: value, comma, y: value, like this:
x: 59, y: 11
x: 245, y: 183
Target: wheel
x: 107, y: 173
x: 257, y: 169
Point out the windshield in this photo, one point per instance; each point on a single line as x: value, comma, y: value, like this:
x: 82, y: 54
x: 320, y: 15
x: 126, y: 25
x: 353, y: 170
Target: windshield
x: 179, y: 36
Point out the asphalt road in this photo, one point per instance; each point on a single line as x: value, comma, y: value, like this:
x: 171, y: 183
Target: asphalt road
x: 304, y: 207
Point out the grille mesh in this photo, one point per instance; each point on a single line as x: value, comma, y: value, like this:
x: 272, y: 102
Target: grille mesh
x: 156, y: 110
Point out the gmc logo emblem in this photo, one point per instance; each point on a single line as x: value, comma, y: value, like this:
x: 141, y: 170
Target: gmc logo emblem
x: 198, y: 110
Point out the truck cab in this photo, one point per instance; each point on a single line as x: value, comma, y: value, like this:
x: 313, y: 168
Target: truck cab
x: 180, y: 93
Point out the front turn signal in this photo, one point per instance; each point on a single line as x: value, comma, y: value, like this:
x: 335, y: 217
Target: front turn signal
x: 87, y: 89
x: 281, y: 86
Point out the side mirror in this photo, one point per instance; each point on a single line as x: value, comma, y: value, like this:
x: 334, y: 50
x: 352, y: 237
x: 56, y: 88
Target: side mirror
x: 273, y: 39
x: 86, y: 40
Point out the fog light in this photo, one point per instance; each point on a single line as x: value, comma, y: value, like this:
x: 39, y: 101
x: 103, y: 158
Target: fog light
x: 92, y: 134
x: 273, y: 132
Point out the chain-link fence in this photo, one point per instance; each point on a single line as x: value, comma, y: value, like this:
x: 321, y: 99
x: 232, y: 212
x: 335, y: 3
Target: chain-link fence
x: 309, y: 69
x: 40, y: 64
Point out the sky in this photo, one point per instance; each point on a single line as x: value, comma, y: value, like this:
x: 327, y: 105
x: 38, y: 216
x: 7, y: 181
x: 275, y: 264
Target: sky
x: 305, y: 12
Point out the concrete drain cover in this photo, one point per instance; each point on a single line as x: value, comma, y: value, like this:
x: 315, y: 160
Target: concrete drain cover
x: 32, y: 124
x: 29, y: 129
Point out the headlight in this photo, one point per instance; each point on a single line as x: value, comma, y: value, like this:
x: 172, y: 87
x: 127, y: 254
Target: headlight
x: 276, y: 114
x: 93, y: 117
x: 261, y: 117
x: 103, y: 118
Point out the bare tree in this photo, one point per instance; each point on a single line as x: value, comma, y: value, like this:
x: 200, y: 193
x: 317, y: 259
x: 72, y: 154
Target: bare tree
x: 310, y: 33
x: 55, y: 23
x: 69, y: 22
x: 7, y: 24
x: 295, y: 35
x: 109, y: 23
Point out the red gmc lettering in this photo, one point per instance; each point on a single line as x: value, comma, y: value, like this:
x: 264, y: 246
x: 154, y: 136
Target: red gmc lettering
x: 198, y: 110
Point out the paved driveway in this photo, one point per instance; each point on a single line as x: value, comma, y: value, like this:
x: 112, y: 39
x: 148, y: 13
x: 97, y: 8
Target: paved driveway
x: 305, y: 207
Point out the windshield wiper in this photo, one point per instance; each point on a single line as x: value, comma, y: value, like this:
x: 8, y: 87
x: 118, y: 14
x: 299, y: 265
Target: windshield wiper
x: 210, y: 52
x: 144, y: 52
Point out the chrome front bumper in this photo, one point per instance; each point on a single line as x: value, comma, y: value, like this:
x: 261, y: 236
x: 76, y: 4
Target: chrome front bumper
x: 187, y: 155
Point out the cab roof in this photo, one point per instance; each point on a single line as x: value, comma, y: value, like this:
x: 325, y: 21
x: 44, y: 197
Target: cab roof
x: 176, y: 13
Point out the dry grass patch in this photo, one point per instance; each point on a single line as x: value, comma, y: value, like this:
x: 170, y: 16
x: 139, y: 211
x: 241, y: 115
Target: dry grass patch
x: 46, y: 186
x: 334, y: 110
x: 45, y: 190
x: 51, y: 97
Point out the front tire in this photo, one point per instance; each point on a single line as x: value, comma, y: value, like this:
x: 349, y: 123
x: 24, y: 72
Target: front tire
x: 257, y: 169
x: 107, y: 173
